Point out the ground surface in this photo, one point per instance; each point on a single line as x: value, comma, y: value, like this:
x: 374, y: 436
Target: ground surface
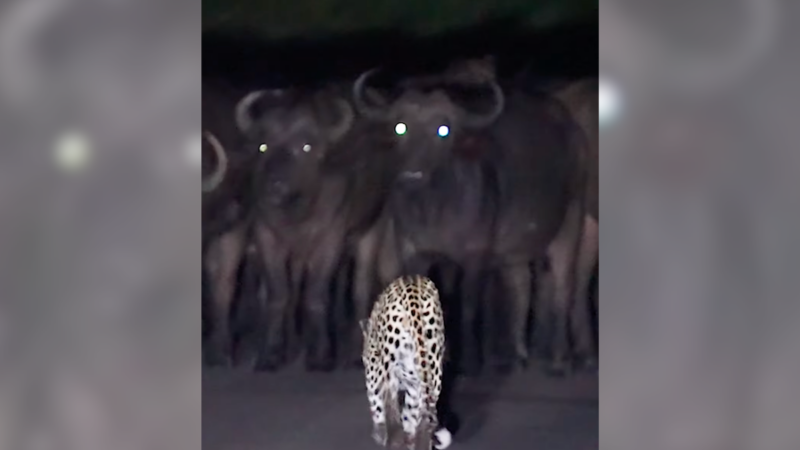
x: 293, y: 410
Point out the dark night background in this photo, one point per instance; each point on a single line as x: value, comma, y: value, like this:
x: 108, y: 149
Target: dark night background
x: 305, y: 41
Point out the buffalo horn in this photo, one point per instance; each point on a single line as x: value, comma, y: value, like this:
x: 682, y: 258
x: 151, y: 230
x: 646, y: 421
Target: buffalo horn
x: 243, y: 118
x: 214, y: 180
x: 372, y: 112
x: 474, y: 120
x: 343, y: 125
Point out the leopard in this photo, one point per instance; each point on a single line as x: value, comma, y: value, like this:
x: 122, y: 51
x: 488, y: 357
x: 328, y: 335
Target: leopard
x: 403, y: 357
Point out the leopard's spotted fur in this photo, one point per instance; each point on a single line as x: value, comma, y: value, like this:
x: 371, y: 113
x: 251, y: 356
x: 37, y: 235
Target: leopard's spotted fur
x: 403, y: 352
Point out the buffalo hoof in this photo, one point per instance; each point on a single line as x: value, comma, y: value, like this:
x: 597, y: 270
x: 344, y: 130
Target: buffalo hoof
x: 355, y: 364
x: 218, y: 361
x: 586, y: 364
x: 511, y: 365
x: 557, y: 367
x: 272, y: 361
x: 216, y: 357
x: 320, y: 364
x: 505, y: 368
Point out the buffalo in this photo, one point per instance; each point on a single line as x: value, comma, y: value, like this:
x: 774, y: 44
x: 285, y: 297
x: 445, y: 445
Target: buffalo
x: 316, y: 188
x: 489, y: 187
x: 582, y: 98
x: 226, y: 202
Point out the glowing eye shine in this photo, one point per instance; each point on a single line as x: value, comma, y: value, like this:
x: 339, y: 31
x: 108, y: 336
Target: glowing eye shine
x: 262, y: 148
x: 307, y: 148
x: 444, y: 130
x: 400, y: 128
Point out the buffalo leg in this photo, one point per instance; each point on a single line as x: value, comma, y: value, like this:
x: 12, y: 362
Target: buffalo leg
x: 517, y: 281
x: 272, y: 353
x: 342, y: 321
x: 297, y: 273
x: 581, y: 318
x: 222, y: 262
x: 364, y: 288
x: 317, y: 302
x: 542, y: 307
x: 390, y: 255
x: 563, y: 252
x: 448, y: 278
x: 471, y: 296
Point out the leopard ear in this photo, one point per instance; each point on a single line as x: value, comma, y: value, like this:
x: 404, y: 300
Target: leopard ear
x: 364, y: 324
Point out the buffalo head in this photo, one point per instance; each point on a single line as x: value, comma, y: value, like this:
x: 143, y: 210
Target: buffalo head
x: 292, y: 132
x: 425, y: 120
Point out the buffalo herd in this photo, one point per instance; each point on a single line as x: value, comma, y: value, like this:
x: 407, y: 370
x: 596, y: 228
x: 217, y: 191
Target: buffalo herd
x: 314, y: 198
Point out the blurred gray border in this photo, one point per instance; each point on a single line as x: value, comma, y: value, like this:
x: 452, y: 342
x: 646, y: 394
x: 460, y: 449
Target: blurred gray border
x: 99, y: 312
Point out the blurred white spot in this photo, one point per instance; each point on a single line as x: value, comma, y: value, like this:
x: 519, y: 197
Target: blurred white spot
x: 194, y: 149
x: 262, y: 148
x: 400, y: 128
x: 306, y: 148
x: 444, y: 438
x: 72, y: 151
x: 444, y: 130
x: 609, y: 103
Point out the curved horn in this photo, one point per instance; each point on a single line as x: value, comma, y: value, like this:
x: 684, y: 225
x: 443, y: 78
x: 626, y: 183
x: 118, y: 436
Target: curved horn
x: 482, y: 120
x: 214, y: 180
x: 372, y: 112
x: 343, y: 126
x: 243, y: 119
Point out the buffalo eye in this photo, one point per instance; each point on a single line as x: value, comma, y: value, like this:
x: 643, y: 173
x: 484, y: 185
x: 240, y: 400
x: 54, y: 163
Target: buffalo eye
x: 400, y: 128
x: 263, y: 148
x: 443, y: 131
x: 307, y: 148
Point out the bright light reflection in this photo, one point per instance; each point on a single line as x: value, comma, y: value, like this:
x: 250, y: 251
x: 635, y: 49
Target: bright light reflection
x: 400, y: 128
x: 444, y: 130
x: 72, y: 151
x: 609, y: 102
x: 262, y: 148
